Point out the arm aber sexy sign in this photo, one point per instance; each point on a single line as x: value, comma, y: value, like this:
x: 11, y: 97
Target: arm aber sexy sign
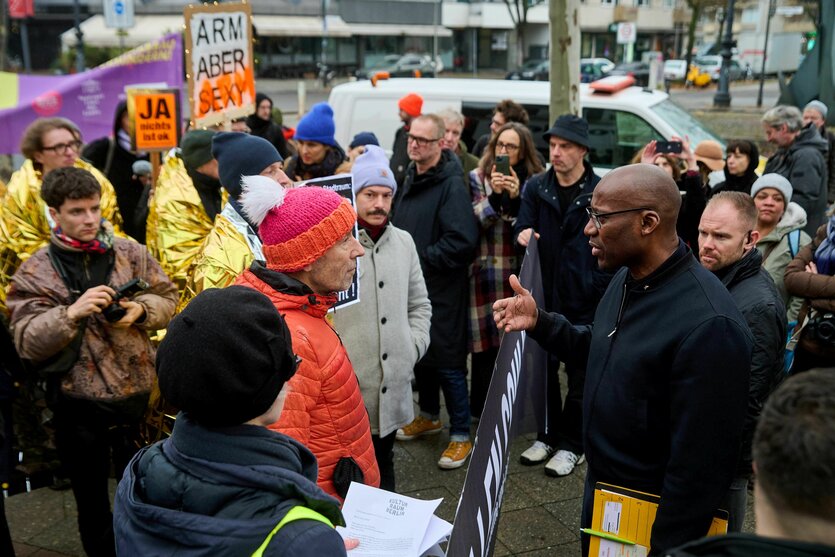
x: 219, y: 62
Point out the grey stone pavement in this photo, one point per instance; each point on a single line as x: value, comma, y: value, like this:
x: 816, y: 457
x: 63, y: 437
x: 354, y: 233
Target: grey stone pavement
x: 540, y: 516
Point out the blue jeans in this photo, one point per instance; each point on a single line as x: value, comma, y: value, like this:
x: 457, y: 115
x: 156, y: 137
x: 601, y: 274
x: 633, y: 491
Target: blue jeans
x: 454, y: 384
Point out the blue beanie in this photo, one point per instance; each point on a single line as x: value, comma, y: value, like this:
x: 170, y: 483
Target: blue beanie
x: 240, y: 154
x: 372, y: 169
x: 364, y: 138
x: 317, y: 125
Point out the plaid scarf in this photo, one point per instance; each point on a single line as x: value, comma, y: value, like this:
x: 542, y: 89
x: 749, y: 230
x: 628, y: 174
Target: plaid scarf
x: 101, y: 244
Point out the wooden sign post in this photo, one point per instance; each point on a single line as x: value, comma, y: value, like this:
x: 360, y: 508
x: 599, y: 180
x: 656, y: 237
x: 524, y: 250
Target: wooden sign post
x: 220, y: 66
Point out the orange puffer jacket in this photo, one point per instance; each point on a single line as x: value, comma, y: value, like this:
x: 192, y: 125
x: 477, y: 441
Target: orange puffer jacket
x: 324, y: 408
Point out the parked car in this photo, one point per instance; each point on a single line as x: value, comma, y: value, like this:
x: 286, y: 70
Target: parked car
x: 592, y: 69
x: 397, y: 65
x: 532, y: 70
x: 713, y: 65
x: 638, y: 70
x: 675, y: 70
x: 620, y: 122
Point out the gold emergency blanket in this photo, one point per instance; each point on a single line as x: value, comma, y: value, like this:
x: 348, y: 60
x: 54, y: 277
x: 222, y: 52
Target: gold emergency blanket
x: 224, y: 255
x: 177, y: 222
x: 24, y: 228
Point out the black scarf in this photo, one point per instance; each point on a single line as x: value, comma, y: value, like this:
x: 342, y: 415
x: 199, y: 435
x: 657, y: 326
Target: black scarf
x: 209, y: 191
x: 327, y: 167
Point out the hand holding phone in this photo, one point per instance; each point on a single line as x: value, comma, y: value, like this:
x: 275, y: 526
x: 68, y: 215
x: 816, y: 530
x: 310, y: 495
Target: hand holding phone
x: 503, y: 164
x: 668, y: 147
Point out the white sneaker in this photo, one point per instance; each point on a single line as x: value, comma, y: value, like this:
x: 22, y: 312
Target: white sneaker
x: 536, y: 454
x: 562, y: 463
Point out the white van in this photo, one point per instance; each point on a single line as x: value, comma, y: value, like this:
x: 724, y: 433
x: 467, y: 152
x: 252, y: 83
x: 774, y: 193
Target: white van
x: 620, y: 123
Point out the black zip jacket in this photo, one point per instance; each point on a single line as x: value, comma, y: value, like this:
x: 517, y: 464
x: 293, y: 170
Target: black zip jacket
x: 747, y: 545
x: 667, y: 362
x: 756, y: 296
x: 572, y: 282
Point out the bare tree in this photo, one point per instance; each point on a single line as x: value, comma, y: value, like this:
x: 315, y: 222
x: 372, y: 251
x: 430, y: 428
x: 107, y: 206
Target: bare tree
x: 518, y: 10
x: 696, y: 9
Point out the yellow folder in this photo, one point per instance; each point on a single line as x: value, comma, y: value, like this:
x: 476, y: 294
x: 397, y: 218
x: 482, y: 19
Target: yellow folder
x: 629, y: 515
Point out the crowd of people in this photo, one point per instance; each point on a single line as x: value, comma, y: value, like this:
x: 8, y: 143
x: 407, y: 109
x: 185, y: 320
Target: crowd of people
x: 678, y: 294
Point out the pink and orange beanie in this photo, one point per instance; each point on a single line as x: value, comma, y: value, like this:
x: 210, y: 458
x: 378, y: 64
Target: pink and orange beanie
x: 297, y: 226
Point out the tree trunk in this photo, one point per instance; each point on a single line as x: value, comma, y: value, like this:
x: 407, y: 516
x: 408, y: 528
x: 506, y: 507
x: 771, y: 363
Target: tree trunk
x: 691, y: 33
x: 564, y: 69
x: 520, y: 43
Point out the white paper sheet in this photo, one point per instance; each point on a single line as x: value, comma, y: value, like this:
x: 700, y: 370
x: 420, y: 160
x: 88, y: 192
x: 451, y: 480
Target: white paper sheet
x: 438, y: 530
x: 385, y: 523
x: 609, y: 548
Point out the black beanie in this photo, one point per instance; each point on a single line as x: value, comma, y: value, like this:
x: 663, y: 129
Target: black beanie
x: 226, y: 357
x: 240, y: 154
x: 570, y: 127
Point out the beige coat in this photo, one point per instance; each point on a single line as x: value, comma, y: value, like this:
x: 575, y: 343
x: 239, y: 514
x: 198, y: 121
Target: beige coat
x: 384, y: 352
x: 113, y: 364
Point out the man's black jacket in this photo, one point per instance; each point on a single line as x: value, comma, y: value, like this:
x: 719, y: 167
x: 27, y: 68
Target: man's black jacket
x: 753, y: 290
x: 435, y: 208
x: 667, y: 362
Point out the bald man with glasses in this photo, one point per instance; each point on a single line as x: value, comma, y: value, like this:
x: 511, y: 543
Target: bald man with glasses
x: 667, y: 357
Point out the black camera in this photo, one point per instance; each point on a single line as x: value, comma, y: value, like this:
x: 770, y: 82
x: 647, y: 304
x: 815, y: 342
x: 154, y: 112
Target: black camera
x: 822, y: 327
x: 114, y: 311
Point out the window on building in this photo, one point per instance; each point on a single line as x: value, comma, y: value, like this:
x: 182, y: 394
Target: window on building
x: 642, y: 2
x: 751, y: 15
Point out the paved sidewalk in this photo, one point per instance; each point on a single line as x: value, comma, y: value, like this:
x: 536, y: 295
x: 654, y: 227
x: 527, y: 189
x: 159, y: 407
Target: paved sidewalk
x: 540, y: 515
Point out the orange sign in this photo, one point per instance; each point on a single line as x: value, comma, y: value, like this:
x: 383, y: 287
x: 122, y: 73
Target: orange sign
x: 219, y: 62
x: 155, y: 114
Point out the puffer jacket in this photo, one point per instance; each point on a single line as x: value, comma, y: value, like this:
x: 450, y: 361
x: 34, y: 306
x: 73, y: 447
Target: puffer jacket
x: 759, y: 302
x: 177, y: 221
x: 819, y: 289
x: 776, y: 253
x: 113, y: 364
x: 324, y: 408
x: 219, y: 492
x: 228, y: 250
x: 803, y: 164
x: 25, y: 223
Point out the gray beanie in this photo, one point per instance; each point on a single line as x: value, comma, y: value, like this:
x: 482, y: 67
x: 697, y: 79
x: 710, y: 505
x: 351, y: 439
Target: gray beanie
x: 773, y: 181
x: 819, y: 106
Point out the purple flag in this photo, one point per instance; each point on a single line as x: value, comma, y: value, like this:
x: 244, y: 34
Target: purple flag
x: 89, y: 98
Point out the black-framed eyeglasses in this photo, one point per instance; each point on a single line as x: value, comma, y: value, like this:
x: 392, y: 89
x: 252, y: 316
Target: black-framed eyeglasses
x: 421, y: 141
x: 509, y: 147
x: 63, y: 148
x: 595, y: 216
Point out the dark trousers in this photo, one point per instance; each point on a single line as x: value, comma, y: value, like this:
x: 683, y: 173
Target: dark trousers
x: 483, y: 364
x: 89, y: 438
x: 384, y: 450
x: 565, y: 421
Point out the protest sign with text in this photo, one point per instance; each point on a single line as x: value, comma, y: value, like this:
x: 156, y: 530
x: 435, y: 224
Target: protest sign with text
x: 219, y: 62
x: 514, y: 405
x: 155, y: 116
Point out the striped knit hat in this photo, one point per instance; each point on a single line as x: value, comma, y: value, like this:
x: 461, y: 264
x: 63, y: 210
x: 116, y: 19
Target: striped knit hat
x: 297, y: 226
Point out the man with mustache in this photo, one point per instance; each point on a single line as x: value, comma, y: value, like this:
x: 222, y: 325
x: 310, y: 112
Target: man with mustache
x: 387, y: 332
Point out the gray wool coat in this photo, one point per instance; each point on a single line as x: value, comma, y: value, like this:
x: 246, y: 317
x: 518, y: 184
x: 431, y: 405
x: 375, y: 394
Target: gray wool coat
x: 387, y: 332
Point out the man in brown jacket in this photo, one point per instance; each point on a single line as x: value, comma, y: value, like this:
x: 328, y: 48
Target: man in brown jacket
x: 91, y: 346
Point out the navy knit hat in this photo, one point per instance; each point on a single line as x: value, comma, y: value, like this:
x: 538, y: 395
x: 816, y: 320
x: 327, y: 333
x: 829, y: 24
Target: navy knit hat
x: 372, y: 169
x: 364, y: 138
x: 317, y: 125
x: 225, y: 357
x: 570, y: 127
x: 240, y: 154
x: 196, y: 148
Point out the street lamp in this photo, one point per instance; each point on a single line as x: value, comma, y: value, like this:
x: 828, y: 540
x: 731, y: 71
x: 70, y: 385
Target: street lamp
x: 723, y: 96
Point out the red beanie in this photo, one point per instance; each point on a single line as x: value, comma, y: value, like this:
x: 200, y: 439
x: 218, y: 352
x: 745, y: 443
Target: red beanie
x: 411, y: 104
x: 296, y: 226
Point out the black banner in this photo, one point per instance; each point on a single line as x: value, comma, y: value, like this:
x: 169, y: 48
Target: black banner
x: 515, y: 405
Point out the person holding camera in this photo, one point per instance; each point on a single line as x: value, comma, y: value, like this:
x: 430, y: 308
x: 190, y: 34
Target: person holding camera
x: 810, y: 276
x: 81, y: 309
